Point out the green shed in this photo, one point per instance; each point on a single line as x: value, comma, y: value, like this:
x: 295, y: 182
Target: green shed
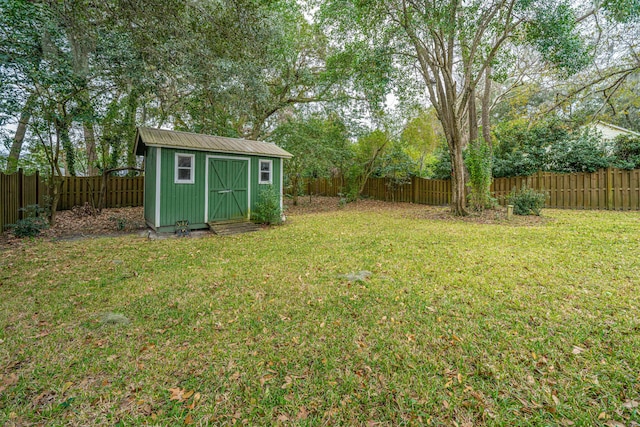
x: 203, y: 178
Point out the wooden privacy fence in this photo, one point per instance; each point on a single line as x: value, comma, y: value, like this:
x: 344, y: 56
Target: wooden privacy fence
x: 331, y: 187
x: 16, y: 192
x: 433, y: 192
x: 121, y: 191
x: 19, y: 190
x: 613, y: 189
x: 418, y: 190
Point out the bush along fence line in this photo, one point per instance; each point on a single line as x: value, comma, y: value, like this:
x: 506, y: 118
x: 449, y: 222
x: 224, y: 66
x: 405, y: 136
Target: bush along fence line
x: 613, y: 189
x: 18, y: 190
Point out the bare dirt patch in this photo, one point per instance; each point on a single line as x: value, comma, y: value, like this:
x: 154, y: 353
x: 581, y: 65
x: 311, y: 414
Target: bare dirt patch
x: 76, y: 224
x: 116, y: 220
x: 497, y: 215
x: 318, y: 204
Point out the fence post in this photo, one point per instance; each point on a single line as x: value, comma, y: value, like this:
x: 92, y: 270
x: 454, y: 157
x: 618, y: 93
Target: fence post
x: 538, y: 181
x: 414, y: 189
x: 609, y: 188
x: 38, y: 188
x: 20, y: 193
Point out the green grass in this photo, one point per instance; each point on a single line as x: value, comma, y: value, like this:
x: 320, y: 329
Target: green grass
x: 460, y: 324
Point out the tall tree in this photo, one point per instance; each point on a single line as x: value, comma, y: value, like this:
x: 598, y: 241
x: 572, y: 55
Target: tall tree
x: 451, y: 44
x: 21, y: 32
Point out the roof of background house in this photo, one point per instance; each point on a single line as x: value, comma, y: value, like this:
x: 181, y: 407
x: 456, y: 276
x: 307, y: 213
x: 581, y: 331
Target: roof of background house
x: 616, y: 128
x: 195, y: 141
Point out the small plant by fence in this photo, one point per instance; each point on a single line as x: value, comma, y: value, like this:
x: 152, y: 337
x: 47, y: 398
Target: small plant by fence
x: 613, y: 189
x: 18, y: 191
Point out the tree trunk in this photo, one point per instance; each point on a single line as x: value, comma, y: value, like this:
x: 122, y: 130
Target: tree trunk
x: 130, y: 123
x: 54, y: 189
x: 486, y: 100
x: 458, y: 187
x: 81, y: 47
x: 473, y: 117
x: 103, y: 190
x: 89, y: 132
x: 67, y: 146
x: 452, y: 125
x: 256, y: 129
x: 90, y: 144
x: 294, y: 187
x: 18, y: 139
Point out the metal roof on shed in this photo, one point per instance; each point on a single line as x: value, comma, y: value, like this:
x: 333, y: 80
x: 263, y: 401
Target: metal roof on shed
x: 195, y: 141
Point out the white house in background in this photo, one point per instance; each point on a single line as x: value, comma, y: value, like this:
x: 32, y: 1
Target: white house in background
x: 609, y: 131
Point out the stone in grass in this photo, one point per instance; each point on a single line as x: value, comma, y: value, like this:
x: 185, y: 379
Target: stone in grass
x: 114, y: 319
x: 358, y: 276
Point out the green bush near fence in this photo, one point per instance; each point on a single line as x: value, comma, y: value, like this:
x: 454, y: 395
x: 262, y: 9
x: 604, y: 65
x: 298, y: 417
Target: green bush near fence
x: 527, y: 201
x: 267, y: 210
x: 34, y: 221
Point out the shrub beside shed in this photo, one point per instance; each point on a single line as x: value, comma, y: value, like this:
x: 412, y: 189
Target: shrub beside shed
x: 204, y: 179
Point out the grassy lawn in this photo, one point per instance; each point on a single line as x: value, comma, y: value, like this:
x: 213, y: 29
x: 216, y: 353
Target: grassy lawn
x: 459, y: 324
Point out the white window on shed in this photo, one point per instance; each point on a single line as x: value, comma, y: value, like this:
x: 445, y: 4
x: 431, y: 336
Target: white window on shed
x: 266, y: 172
x: 185, y: 168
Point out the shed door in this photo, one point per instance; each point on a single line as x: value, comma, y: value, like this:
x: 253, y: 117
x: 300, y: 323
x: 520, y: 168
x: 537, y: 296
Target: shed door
x: 228, y: 189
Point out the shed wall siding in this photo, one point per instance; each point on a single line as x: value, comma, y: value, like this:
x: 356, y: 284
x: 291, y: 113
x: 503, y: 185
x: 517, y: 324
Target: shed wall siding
x: 181, y: 201
x: 150, y: 185
x: 187, y: 201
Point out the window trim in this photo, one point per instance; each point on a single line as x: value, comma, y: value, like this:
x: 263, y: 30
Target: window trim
x: 260, y: 180
x: 176, y: 179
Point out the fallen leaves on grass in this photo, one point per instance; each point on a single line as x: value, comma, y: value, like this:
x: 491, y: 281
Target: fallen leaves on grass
x: 66, y: 387
x: 577, y: 350
x: 69, y: 224
x: 489, y: 216
x: 8, y: 381
x: 266, y: 378
x: 317, y: 204
x: 303, y: 414
x: 504, y: 309
x: 44, y: 399
x: 194, y: 402
x: 180, y: 394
